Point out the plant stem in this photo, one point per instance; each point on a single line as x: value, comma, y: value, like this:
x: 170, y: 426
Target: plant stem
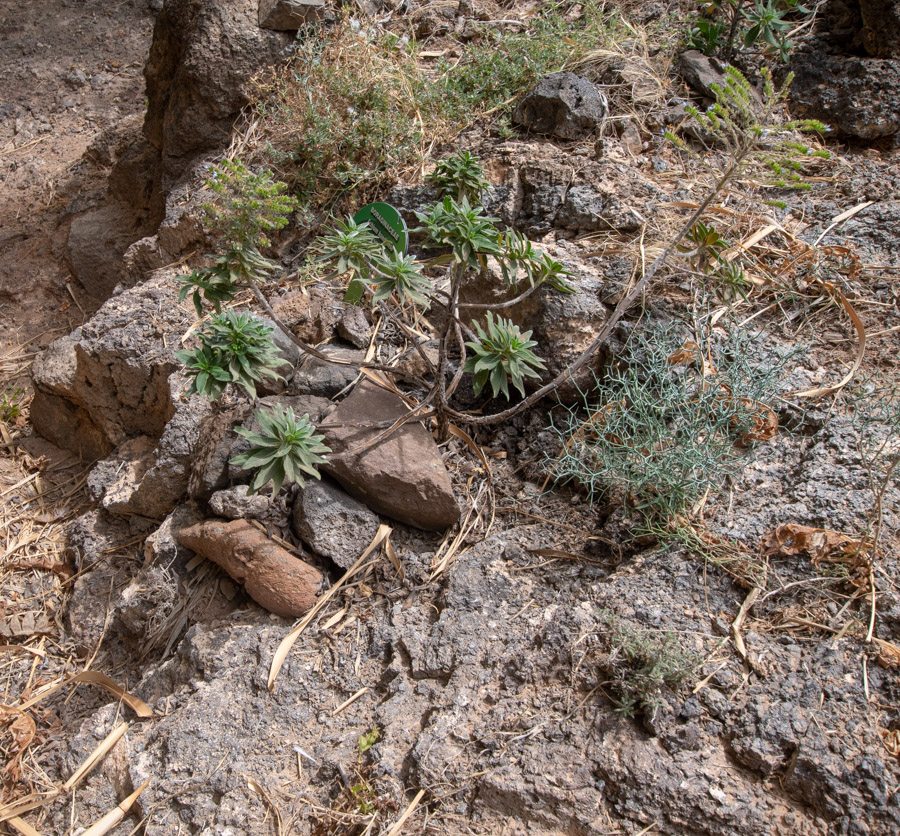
x: 620, y: 309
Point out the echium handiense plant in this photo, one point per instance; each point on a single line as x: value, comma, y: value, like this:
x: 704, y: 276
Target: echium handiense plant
x: 498, y: 353
x: 236, y: 347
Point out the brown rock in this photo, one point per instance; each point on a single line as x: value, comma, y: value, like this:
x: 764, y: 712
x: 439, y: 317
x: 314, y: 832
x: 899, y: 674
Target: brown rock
x: 273, y: 577
x: 96, y: 243
x: 401, y: 477
x: 289, y: 15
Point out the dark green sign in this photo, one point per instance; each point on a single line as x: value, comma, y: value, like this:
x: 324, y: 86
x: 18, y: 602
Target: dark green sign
x: 386, y: 223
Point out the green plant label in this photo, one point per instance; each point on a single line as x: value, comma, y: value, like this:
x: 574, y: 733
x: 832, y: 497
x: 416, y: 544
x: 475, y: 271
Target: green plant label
x: 386, y: 223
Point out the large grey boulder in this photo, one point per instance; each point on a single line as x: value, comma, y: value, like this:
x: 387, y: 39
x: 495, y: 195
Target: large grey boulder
x: 863, y: 27
x: 149, y: 476
x: 563, y: 105
x: 403, y: 476
x: 202, y: 60
x: 854, y: 96
x: 849, y: 75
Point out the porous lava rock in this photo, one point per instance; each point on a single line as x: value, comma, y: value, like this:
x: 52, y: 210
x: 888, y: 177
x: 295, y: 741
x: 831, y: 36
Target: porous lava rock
x: 202, y: 60
x: 848, y: 76
x: 289, y: 15
x: 332, y: 523
x: 564, y: 105
x: 109, y: 380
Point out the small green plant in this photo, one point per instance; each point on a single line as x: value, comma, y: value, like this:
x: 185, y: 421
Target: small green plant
x: 730, y: 280
x: 518, y: 253
x: 249, y: 204
x: 11, y: 401
x: 753, y: 137
x: 399, y: 276
x: 284, y: 447
x: 222, y: 282
x: 369, y: 739
x: 349, y: 246
x: 704, y: 244
x: 763, y: 25
x: 502, y: 353
x: 666, y: 425
x: 460, y: 176
x: 641, y: 662
x: 707, y: 35
x: 470, y: 235
x: 234, y: 348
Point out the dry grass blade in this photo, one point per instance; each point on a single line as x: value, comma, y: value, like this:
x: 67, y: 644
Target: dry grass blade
x: 738, y: 622
x: 257, y: 788
x: 113, y: 817
x: 467, y: 439
x: 23, y: 805
x: 441, y: 562
x: 395, y: 830
x: 844, y: 216
x: 289, y: 640
x: 23, y: 827
x: 750, y: 242
x: 96, y: 756
x: 860, y: 351
x: 349, y: 701
x: 94, y: 678
x: 391, y: 552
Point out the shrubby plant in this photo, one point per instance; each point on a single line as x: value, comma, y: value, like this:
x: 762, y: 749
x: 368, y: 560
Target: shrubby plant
x: 234, y: 348
x: 761, y: 25
x: 467, y: 240
x: 501, y: 354
x: 670, y: 421
x: 460, y: 176
x: 468, y: 237
x: 641, y: 662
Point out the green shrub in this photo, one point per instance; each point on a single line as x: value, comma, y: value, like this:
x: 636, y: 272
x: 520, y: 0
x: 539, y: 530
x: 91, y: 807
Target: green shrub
x: 665, y: 425
x: 460, y: 176
x: 234, y: 348
x: 502, y: 353
x: 355, y: 105
x: 641, y: 662
x: 248, y: 205
x: 759, y: 25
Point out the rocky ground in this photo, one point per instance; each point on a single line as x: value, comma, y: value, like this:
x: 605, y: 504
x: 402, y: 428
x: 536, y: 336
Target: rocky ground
x: 486, y: 655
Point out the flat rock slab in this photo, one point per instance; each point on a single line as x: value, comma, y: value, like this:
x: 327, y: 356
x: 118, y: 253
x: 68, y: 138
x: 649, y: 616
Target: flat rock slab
x: 402, y: 477
x: 273, y: 577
